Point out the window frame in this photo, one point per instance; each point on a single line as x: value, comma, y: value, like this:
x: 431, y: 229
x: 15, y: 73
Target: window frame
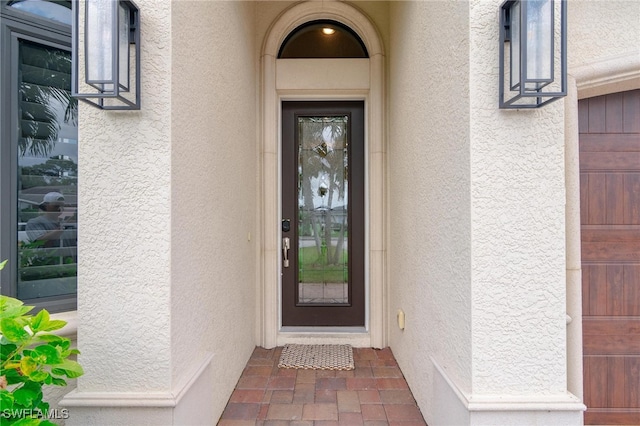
x: 16, y: 24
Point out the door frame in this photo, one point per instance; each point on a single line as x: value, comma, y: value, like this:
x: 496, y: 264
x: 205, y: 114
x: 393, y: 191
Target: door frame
x: 341, y: 315
x: 303, y: 79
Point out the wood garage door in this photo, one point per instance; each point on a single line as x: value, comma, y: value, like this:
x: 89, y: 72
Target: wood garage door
x: 610, y: 217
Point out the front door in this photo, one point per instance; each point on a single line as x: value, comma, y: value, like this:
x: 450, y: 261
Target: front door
x: 322, y: 227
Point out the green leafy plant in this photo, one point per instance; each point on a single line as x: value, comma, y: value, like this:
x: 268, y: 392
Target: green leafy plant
x: 31, y: 357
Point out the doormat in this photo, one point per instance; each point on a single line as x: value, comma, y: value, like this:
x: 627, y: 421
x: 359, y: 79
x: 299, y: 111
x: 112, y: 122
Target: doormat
x: 317, y: 357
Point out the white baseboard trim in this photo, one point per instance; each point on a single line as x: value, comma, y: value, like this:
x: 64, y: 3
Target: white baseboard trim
x: 119, y: 399
x: 169, y: 399
x: 509, y: 403
x: 559, y: 402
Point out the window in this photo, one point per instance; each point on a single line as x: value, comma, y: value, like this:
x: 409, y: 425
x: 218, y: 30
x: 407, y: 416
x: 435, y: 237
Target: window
x: 39, y: 155
x: 323, y: 39
x: 55, y: 10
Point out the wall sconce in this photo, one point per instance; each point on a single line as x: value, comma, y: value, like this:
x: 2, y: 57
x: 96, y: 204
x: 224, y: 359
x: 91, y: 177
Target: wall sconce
x: 533, y: 52
x: 106, y: 62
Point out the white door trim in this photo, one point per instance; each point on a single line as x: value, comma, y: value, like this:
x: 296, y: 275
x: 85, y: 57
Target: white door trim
x: 312, y: 87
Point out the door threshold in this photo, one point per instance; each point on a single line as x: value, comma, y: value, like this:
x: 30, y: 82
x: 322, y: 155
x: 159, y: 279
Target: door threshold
x: 354, y: 336
x: 324, y: 330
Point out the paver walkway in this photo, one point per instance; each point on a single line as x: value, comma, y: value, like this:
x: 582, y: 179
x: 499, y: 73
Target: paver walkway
x: 375, y: 393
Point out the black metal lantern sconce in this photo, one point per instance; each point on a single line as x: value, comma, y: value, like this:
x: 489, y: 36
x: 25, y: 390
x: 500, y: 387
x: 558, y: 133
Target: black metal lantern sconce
x: 533, y: 53
x: 106, y: 62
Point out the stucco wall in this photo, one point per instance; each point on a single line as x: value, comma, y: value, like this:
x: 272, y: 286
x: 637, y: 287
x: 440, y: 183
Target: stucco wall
x: 378, y: 13
x: 168, y: 195
x: 476, y: 199
x: 124, y: 241
x: 600, y: 29
x: 214, y: 163
x: 518, y: 252
x: 429, y: 200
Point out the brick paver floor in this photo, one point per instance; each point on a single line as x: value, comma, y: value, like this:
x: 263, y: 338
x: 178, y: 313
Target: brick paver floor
x: 375, y: 393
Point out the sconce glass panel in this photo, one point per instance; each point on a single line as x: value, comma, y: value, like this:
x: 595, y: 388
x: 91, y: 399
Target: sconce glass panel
x: 106, y: 72
x: 99, y: 35
x: 539, y: 18
x: 515, y: 48
x: 123, y: 47
x: 533, y: 54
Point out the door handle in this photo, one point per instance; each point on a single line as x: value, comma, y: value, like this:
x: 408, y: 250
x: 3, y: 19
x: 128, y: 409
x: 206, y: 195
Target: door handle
x: 286, y: 245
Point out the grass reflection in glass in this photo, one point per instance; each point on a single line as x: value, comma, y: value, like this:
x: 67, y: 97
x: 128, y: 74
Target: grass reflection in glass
x: 314, y: 268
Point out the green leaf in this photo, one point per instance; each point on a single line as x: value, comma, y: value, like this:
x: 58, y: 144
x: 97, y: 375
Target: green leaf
x: 43, y: 406
x: 6, y: 399
x: 7, y: 302
x: 69, y: 368
x: 6, y: 350
x: 13, y: 331
x: 13, y: 376
x: 12, y: 308
x: 15, y: 312
x: 50, y: 338
x: 40, y: 321
x: 26, y: 397
x: 34, y: 386
x: 47, y: 354
x: 39, y: 376
x: 28, y: 365
x: 27, y: 421
x: 4, y: 262
x: 56, y: 381
x: 54, y: 325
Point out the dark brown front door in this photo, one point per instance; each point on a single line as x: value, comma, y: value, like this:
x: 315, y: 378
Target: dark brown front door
x: 322, y: 225
x: 610, y: 218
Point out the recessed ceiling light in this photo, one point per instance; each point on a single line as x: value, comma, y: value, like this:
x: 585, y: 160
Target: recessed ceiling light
x: 328, y: 31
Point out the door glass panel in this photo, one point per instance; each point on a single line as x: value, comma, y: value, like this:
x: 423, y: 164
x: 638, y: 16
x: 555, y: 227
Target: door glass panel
x: 47, y: 173
x: 323, y: 249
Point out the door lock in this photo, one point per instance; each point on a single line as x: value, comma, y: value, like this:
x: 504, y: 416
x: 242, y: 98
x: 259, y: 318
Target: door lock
x: 286, y: 245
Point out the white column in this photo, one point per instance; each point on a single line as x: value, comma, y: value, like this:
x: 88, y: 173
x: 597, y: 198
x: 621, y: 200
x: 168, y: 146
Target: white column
x: 124, y: 241
x: 518, y: 257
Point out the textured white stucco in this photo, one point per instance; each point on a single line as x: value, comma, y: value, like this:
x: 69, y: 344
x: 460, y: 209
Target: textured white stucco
x: 168, y: 195
x: 517, y: 196
x: 429, y: 202
x: 124, y: 229
x: 604, y: 52
x: 476, y: 213
x: 476, y: 256
x: 214, y: 165
x: 600, y: 29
